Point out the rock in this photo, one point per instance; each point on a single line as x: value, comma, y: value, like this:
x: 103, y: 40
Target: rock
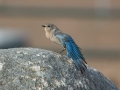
x: 38, y: 69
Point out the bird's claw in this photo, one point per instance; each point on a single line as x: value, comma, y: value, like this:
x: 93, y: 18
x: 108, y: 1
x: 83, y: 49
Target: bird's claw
x: 62, y: 50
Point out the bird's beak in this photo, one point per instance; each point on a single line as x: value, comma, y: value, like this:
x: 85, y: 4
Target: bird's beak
x: 43, y: 25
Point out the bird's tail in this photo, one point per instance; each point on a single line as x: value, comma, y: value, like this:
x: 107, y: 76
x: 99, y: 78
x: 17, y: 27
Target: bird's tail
x: 75, y: 53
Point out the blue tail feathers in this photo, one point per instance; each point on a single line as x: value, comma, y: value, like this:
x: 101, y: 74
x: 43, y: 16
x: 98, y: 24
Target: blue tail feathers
x: 74, y: 53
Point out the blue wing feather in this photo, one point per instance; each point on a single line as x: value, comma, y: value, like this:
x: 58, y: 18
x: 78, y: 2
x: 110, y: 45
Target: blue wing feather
x: 73, y: 51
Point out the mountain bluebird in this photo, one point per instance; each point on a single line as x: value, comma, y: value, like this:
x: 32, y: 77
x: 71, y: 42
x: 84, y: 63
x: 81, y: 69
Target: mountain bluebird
x: 61, y: 38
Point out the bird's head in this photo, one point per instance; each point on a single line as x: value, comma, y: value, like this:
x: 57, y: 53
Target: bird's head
x: 49, y: 27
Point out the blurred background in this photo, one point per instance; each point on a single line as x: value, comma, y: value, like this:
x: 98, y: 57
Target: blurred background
x: 95, y: 26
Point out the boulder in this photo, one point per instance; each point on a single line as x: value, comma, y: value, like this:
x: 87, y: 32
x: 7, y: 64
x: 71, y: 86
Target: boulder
x: 38, y: 69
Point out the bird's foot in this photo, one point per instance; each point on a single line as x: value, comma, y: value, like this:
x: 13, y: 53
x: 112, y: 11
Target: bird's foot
x: 62, y: 50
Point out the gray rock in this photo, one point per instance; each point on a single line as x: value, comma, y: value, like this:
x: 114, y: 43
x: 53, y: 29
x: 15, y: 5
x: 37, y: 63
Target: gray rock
x: 38, y: 69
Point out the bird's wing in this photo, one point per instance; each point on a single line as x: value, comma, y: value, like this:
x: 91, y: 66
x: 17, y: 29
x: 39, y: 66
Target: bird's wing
x: 73, y: 51
x: 61, y: 36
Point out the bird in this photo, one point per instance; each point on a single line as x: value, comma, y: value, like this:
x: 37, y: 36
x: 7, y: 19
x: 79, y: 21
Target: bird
x: 73, y: 51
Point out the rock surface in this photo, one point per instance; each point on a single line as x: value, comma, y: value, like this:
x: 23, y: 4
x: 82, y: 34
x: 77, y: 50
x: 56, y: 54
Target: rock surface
x: 38, y: 69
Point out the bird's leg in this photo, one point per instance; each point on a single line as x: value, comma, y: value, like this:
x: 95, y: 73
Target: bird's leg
x: 79, y: 48
x: 63, y: 50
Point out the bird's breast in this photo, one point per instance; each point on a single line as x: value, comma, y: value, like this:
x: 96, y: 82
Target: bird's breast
x: 55, y: 40
x: 47, y: 34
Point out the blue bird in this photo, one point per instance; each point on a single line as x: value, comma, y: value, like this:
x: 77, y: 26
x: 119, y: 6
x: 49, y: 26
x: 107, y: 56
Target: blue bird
x: 73, y: 51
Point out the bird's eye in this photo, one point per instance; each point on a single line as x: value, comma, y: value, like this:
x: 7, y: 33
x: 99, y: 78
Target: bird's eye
x: 48, y: 25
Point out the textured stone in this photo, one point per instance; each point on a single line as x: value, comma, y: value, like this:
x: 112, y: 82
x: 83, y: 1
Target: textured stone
x: 38, y: 69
